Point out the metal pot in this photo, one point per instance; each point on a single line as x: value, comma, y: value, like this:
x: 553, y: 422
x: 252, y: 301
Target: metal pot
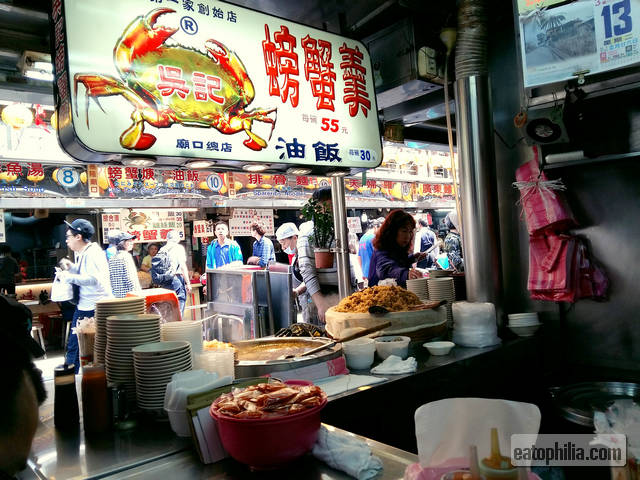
x: 256, y: 368
x: 577, y: 402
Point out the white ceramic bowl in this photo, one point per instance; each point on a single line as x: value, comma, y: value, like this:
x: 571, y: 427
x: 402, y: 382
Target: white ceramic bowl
x: 392, y: 345
x: 439, y: 348
x: 359, y: 353
x: 525, y: 330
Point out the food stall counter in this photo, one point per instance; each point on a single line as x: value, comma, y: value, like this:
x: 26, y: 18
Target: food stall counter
x: 186, y: 465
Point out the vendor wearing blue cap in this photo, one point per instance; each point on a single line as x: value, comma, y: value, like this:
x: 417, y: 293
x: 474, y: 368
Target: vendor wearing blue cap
x: 89, y: 276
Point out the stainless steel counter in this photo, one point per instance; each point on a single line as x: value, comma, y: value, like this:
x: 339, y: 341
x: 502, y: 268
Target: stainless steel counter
x: 186, y: 465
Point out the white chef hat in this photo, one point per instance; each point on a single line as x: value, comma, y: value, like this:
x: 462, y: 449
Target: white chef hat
x: 286, y: 230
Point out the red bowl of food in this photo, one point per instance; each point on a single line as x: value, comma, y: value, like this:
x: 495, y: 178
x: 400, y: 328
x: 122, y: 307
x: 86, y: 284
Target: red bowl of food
x: 275, y: 433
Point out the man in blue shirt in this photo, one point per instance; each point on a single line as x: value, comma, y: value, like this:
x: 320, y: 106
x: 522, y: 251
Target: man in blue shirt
x: 263, y: 251
x: 425, y: 241
x: 365, y: 246
x: 223, y: 251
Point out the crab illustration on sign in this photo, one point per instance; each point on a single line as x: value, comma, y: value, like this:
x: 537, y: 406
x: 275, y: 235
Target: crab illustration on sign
x: 136, y: 218
x: 152, y: 81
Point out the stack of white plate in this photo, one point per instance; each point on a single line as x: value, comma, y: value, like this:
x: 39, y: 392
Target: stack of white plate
x: 123, y: 333
x: 420, y: 287
x: 220, y: 361
x: 105, y: 308
x: 442, y: 289
x: 524, y: 324
x: 155, y: 364
x: 186, y: 330
x: 440, y: 273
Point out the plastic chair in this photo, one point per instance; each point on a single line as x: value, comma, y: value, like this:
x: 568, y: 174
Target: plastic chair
x: 36, y: 334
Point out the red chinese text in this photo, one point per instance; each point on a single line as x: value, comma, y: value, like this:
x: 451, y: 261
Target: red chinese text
x: 171, y: 82
x: 355, y: 84
x: 318, y: 69
x: 281, y: 60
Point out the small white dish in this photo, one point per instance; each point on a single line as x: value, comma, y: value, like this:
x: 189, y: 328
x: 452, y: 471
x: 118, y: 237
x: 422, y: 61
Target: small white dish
x: 392, y: 345
x: 439, y: 348
x: 525, y: 330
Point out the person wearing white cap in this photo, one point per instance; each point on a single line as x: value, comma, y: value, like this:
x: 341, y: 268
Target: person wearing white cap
x: 122, y: 270
x: 287, y: 234
x: 180, y: 282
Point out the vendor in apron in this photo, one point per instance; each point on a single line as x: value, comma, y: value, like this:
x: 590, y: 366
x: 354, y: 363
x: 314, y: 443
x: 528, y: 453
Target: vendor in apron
x: 287, y: 234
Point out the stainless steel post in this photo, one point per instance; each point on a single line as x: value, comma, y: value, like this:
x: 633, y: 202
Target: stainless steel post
x: 342, y: 238
x: 478, y: 189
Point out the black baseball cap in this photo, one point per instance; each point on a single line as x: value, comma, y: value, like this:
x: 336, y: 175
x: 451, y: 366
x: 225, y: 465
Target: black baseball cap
x: 82, y: 226
x: 16, y: 325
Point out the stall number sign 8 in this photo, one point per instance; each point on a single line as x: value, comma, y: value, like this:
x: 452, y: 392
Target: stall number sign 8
x: 67, y: 177
x: 215, y: 182
x: 617, y: 18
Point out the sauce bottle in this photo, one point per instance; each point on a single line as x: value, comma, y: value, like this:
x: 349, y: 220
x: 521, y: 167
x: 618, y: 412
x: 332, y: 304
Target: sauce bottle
x: 95, y: 400
x: 65, y: 409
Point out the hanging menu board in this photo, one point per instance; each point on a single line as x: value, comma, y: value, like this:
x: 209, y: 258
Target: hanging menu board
x: 209, y: 79
x: 590, y: 36
x: 242, y: 218
x: 151, y: 225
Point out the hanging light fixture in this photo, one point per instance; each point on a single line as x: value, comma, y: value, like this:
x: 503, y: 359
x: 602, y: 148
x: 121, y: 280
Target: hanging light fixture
x: 17, y: 115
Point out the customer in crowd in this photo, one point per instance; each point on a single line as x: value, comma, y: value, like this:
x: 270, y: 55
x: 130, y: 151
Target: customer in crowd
x: 122, y: 270
x: 22, y: 387
x: 263, y: 251
x: 365, y: 246
x: 89, y: 276
x: 9, y: 270
x: 393, y: 243
x: 322, y: 292
x: 287, y: 234
x: 177, y: 267
x: 426, y: 242
x: 223, y: 251
x: 453, y: 242
x: 112, y: 249
x: 152, y: 250
x: 354, y: 259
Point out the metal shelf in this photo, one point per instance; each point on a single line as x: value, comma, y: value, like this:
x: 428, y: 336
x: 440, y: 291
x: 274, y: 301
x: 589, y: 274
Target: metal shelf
x: 586, y: 161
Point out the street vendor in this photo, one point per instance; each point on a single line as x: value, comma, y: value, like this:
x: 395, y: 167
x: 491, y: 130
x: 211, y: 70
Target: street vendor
x: 393, y: 242
x: 287, y: 234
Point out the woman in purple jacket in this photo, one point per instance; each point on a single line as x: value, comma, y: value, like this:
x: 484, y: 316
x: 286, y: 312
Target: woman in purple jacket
x: 392, y: 257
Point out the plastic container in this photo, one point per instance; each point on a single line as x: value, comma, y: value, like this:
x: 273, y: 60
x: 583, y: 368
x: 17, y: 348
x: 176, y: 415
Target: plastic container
x: 392, y: 345
x: 96, y: 411
x: 359, y: 353
x: 439, y: 348
x: 266, y: 444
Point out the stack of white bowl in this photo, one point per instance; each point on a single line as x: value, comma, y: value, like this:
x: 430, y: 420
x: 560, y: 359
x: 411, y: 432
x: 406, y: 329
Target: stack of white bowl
x: 105, y: 308
x: 420, y: 287
x: 219, y: 360
x: 440, y: 273
x: 125, y: 332
x: 186, y: 330
x: 524, y: 324
x: 155, y: 364
x: 442, y: 289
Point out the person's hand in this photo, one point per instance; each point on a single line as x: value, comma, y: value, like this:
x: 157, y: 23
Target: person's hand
x: 253, y: 260
x: 413, y: 274
x: 421, y: 256
x: 188, y: 287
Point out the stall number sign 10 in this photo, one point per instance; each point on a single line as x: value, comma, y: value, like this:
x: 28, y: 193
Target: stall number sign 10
x: 215, y: 182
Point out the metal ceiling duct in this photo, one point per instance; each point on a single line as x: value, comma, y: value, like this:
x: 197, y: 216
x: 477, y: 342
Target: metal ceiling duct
x: 476, y: 155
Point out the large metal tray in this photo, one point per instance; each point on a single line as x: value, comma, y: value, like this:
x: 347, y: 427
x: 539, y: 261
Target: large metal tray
x: 578, y: 401
x: 256, y: 368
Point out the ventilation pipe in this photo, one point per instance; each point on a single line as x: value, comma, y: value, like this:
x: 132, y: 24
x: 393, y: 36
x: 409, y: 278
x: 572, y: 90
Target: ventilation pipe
x: 476, y: 155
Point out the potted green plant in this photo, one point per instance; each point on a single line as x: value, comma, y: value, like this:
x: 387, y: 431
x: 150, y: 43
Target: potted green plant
x: 323, y: 232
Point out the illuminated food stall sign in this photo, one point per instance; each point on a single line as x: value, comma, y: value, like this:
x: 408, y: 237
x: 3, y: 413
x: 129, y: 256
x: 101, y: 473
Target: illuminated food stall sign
x: 210, y: 80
